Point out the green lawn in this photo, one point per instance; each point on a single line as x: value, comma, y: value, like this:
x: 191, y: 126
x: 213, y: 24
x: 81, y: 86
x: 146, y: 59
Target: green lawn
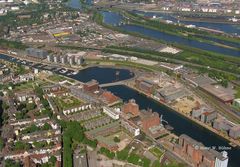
x: 237, y: 95
x: 65, y: 102
x: 156, y: 151
x: 24, y: 86
x: 56, y: 78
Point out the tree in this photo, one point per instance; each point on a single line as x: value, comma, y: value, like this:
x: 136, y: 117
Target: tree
x: 116, y: 139
x: 11, y: 163
x: 44, y: 103
x: 107, y: 152
x: 4, y: 117
x: 39, y: 144
x: 46, y: 126
x: 52, y: 160
x: 5, y: 106
x: 73, y: 131
x: 122, y: 155
x: 31, y: 129
x: 30, y: 106
x: 91, y: 143
x: 22, y: 114
x: 39, y: 91
x: 20, y: 70
x: 47, y: 112
x: 21, y: 146
x: 1, y: 144
x: 146, y: 162
x: 156, y: 163
x: 21, y: 106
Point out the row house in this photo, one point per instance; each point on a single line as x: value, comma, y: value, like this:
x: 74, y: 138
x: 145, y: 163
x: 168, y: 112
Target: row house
x: 77, y: 109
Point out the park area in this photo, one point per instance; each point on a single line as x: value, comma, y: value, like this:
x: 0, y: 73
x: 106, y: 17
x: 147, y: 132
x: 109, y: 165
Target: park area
x: 121, y: 138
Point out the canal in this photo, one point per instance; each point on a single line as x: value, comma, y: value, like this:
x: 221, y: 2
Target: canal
x: 180, y: 124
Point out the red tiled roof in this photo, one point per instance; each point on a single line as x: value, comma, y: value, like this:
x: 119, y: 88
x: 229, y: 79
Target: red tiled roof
x: 109, y: 97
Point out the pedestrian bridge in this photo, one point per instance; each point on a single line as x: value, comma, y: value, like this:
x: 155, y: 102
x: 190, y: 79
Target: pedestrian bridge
x: 112, y: 84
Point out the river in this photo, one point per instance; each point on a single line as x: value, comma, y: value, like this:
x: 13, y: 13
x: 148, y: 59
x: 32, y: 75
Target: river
x: 233, y: 29
x: 114, y: 19
x: 225, y: 27
x: 76, y: 4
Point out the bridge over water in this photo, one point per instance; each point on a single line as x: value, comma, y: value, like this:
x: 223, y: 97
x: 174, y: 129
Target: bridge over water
x: 112, y: 84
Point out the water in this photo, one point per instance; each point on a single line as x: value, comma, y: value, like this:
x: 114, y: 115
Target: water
x: 89, y: 2
x: 225, y: 27
x: 228, y: 43
x: 103, y: 74
x: 181, y: 124
x: 75, y: 4
x: 179, y: 40
x: 111, y: 18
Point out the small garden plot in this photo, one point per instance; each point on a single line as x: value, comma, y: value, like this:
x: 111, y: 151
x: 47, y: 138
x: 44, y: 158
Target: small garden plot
x: 136, y: 147
x: 121, y: 138
x: 59, y: 78
x: 66, y: 102
x: 156, y: 151
x: 121, y: 135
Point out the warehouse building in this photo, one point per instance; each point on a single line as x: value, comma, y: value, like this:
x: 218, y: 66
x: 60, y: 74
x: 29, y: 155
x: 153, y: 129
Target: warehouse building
x: 145, y: 85
x: 171, y: 93
x: 224, y: 95
x: 149, y: 119
x: 204, y: 114
x: 230, y: 128
x: 91, y: 86
x: 235, y: 132
x: 131, y: 108
x: 190, y: 150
